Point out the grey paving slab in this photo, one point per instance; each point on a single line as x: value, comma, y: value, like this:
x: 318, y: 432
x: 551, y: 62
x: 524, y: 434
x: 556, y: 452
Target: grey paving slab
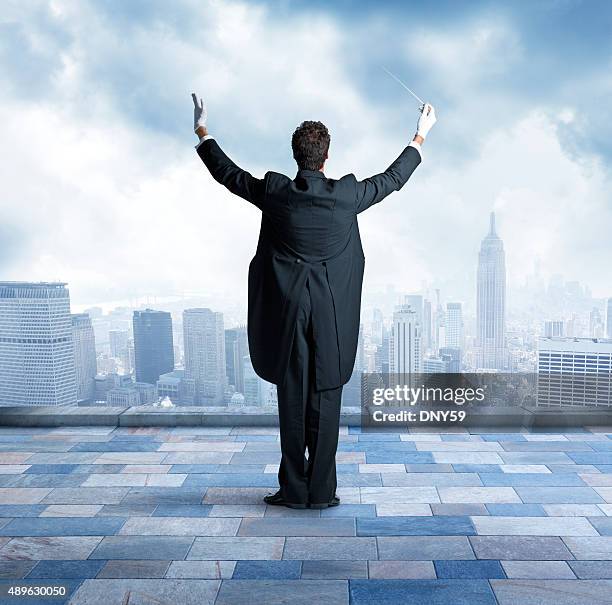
x: 85, y: 495
x: 552, y: 592
x: 406, y: 570
x: 134, y: 569
x: 238, y: 510
x: 51, y: 548
x: 559, y: 495
x: 71, y: 510
x: 598, y: 548
x: 15, y: 569
x: 62, y: 526
x: 538, y: 570
x: 333, y: 570
x: 142, y: 547
x: 430, y: 479
x: 533, y: 526
x: 237, y: 548
x: 355, y: 549
x: 277, y: 592
x: 205, y: 570
x: 179, y: 526
x: 383, y: 495
x: 521, y: 548
x: 23, y: 495
x: 292, y: 526
x: 424, y: 548
x: 126, y: 510
x: 592, y: 570
x: 163, y: 495
x: 146, y: 591
x: 483, y: 495
x: 453, y: 509
x: 236, y: 495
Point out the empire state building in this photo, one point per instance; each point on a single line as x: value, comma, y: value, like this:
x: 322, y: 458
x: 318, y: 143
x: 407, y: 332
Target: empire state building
x: 491, y: 302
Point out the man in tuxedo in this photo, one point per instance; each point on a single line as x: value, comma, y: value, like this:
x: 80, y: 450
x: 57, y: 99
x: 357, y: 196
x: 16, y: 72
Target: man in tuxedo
x: 304, y: 292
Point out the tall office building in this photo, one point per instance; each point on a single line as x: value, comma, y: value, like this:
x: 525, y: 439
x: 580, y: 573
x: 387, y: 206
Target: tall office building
x: 153, y: 348
x: 491, y: 302
x: 596, y: 323
x: 36, y: 350
x: 609, y: 318
x: 84, y: 344
x: 236, y: 348
x: 575, y: 371
x: 405, y: 354
x: 118, y: 340
x: 351, y: 393
x: 553, y: 328
x: 426, y: 327
x: 204, y: 341
x: 454, y: 325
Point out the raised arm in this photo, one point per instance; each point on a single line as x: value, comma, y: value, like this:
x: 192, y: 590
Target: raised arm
x: 221, y: 167
x: 374, y: 189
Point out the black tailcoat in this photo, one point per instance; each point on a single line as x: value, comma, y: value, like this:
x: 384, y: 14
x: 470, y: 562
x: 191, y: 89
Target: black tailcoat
x: 308, y: 232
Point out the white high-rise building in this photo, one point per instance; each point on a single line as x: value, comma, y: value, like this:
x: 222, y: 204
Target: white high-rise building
x: 405, y: 353
x: 609, y: 318
x: 84, y: 344
x: 553, y: 327
x: 454, y: 325
x: 257, y: 391
x: 575, y: 371
x: 491, y: 302
x: 36, y: 350
x: 204, y: 342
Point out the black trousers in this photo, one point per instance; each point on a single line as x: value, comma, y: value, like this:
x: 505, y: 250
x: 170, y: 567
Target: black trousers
x: 309, y: 420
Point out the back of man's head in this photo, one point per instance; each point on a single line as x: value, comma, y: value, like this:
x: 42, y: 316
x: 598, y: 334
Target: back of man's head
x: 310, y: 144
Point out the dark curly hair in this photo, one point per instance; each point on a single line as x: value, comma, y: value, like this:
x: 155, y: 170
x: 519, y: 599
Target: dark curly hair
x: 310, y: 144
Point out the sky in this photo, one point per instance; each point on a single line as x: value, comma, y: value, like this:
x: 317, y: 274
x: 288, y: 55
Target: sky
x: 102, y: 187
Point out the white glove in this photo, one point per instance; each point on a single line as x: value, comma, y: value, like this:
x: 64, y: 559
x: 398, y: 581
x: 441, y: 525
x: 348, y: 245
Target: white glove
x: 199, y: 113
x: 426, y: 120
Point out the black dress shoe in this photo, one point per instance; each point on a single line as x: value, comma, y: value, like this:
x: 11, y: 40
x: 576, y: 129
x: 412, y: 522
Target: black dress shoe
x: 277, y: 500
x: 335, y: 501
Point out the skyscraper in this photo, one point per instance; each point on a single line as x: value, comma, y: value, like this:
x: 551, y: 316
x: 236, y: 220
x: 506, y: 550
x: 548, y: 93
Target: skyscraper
x: 454, y: 325
x: 84, y: 344
x: 609, y: 318
x: 153, y: 349
x: 236, y: 348
x: 204, y: 340
x: 491, y: 302
x: 553, y: 327
x: 36, y: 350
x: 405, y: 355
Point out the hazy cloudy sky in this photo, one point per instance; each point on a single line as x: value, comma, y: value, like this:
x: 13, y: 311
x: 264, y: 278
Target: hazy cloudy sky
x: 102, y: 188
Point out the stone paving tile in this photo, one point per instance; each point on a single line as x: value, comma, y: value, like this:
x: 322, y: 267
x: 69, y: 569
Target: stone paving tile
x: 206, y: 570
x: 573, y: 510
x: 355, y: 510
x: 483, y: 495
x: 274, y: 592
x: 459, y: 509
x: 468, y: 457
x: 537, y: 457
x: 203, y: 446
x: 267, y: 570
x: 237, y: 548
x: 597, y: 479
x: 13, y: 469
x: 21, y: 510
x: 593, y: 549
x: 592, y: 570
x: 548, y: 446
x: 235, y: 495
x: 115, y: 480
x: 533, y: 526
x: 185, y: 592
x: 56, y: 548
x: 602, y: 524
x: 15, y: 569
x: 402, y: 570
x: 532, y: 480
x: 416, y: 526
x: 61, y: 480
x: 430, y: 479
x: 126, y: 510
x: 467, y: 570
x: 605, y: 493
x: 179, y: 526
x: 298, y: 527
x: 559, y: 495
x: 178, y: 510
x: 421, y: 592
x: 524, y: 468
x: 358, y: 479
x: 552, y: 592
x: 470, y: 446
x: 237, y: 510
x: 355, y: 549
x: 538, y: 570
x: 142, y: 547
x: 383, y: 495
x: 521, y: 548
x: 23, y: 495
x: 163, y: 495
x: 382, y: 468
x: 431, y: 468
x: 66, y: 569
x: 398, y: 509
x: 232, y: 480
x: 71, y: 510
x: 133, y: 569
x: 423, y: 548
x: 85, y: 495
x: 394, y: 457
x: 63, y: 526
x: 516, y: 510
x: 334, y: 570
x: 196, y: 468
